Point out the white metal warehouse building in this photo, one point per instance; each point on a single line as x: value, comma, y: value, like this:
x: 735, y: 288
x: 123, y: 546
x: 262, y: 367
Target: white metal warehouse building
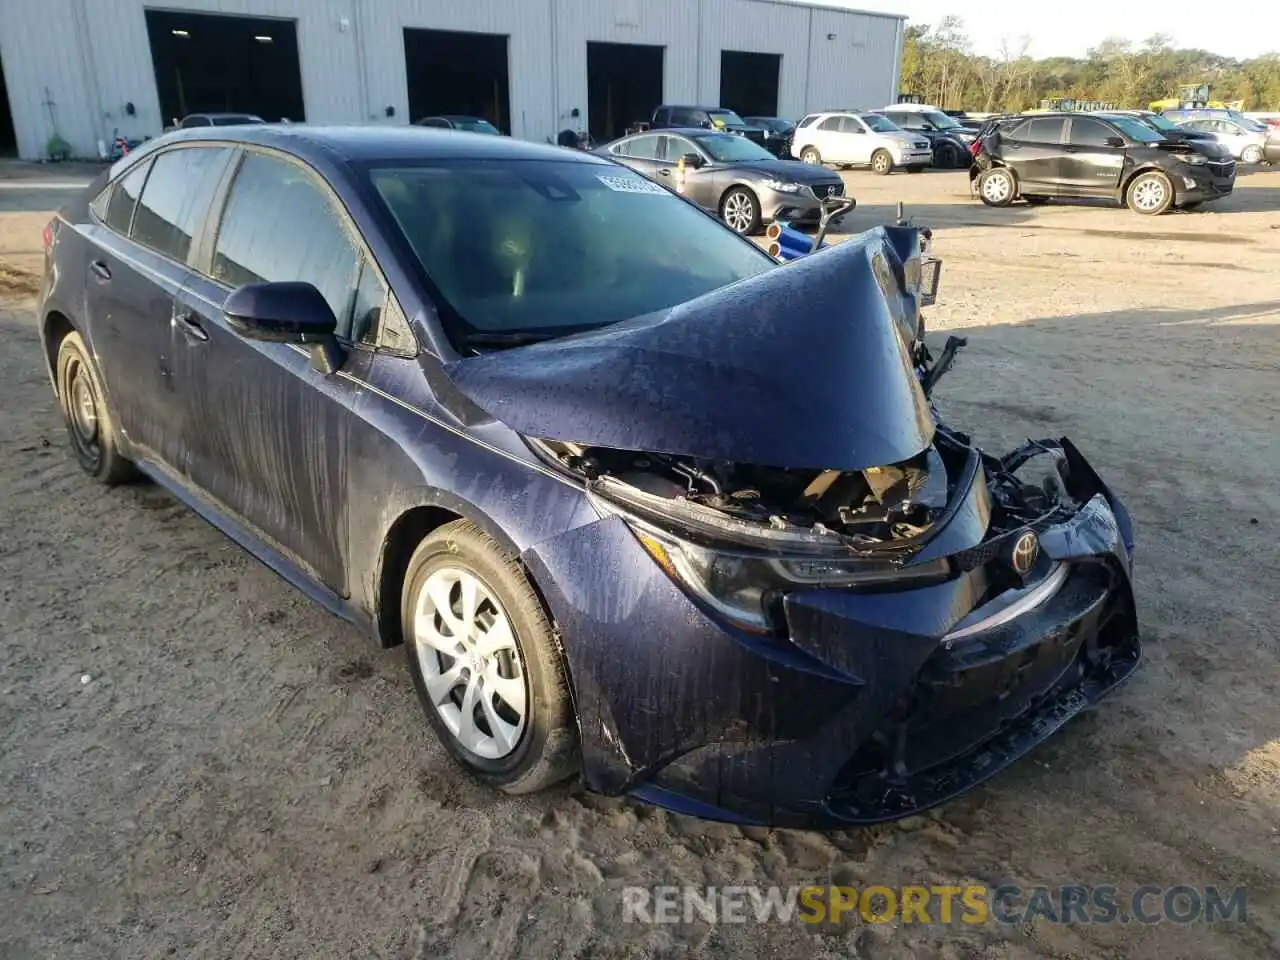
x: 85, y: 69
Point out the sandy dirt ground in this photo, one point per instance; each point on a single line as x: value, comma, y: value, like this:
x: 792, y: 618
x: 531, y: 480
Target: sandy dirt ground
x: 243, y: 776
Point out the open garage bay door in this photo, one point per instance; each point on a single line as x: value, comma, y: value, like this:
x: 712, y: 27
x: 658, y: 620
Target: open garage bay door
x: 749, y: 82
x: 209, y: 63
x: 8, y: 140
x: 624, y: 84
x: 454, y: 73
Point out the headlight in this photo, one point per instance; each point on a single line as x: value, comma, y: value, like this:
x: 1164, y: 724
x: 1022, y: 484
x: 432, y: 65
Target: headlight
x: 782, y: 186
x: 743, y: 587
x: 1195, y: 159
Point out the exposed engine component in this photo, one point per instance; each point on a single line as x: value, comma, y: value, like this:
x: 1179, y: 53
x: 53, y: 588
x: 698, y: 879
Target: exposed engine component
x: 873, y: 505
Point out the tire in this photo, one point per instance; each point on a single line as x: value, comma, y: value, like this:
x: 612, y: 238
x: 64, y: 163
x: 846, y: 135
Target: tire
x: 740, y: 211
x: 1035, y: 199
x: 946, y: 157
x: 540, y: 747
x: 90, y: 426
x: 1150, y: 193
x: 882, y: 162
x: 811, y: 155
x: 1251, y: 154
x: 997, y: 187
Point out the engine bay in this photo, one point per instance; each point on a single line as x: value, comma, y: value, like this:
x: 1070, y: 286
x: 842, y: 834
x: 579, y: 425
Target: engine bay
x: 876, y: 505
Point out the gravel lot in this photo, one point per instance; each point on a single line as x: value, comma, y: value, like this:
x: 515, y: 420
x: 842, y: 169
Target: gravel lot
x: 243, y: 776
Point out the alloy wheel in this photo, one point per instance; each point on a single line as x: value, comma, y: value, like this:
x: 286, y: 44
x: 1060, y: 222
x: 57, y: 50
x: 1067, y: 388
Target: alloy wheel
x: 997, y: 187
x: 881, y: 163
x: 1149, y: 194
x: 470, y: 663
x: 739, y: 212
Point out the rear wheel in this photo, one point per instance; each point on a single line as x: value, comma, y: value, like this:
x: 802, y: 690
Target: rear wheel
x: 484, y: 661
x: 882, y: 162
x: 1149, y: 193
x: 996, y: 187
x: 811, y: 155
x: 90, y: 429
x: 1251, y: 154
x: 740, y: 210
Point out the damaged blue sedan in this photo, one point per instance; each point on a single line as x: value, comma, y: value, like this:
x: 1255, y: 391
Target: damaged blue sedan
x: 643, y: 505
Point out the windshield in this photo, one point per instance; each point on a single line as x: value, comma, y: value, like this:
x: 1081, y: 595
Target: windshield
x: 878, y: 124
x: 731, y: 148
x: 1159, y: 122
x: 1136, y: 130
x: 940, y: 120
x: 553, y: 246
x: 774, y: 124
x: 1253, y: 126
x: 725, y: 117
x: 474, y: 125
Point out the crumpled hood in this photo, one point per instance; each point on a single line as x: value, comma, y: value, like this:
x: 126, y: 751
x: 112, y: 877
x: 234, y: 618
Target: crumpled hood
x: 803, y: 366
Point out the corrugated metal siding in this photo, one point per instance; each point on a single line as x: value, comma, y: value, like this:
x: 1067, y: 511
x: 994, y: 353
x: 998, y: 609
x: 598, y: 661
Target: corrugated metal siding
x: 352, y: 56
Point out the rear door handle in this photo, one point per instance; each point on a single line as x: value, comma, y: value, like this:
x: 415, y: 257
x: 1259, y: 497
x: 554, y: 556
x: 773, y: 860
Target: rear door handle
x: 187, y: 322
x: 100, y: 270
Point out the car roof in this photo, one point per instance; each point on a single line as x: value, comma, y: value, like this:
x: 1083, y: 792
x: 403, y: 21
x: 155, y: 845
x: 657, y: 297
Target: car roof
x: 362, y: 144
x: 682, y: 131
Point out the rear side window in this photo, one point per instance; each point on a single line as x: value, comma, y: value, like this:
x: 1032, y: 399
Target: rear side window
x: 641, y: 148
x: 1087, y: 132
x: 124, y: 198
x: 280, y: 224
x: 831, y: 123
x: 1042, y: 130
x: 177, y: 195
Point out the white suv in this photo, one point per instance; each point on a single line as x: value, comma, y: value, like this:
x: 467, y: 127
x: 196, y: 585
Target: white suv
x: 853, y: 138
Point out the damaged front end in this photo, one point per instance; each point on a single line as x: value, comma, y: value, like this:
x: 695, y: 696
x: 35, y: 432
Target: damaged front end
x: 805, y: 600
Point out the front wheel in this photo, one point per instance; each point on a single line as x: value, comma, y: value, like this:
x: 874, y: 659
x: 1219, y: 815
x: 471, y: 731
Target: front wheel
x: 996, y: 187
x: 1252, y: 154
x: 90, y: 429
x: 946, y: 157
x: 1150, y: 193
x: 882, y: 162
x: 485, y: 663
x: 740, y: 210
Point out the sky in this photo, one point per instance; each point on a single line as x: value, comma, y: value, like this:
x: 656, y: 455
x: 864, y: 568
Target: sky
x: 1070, y: 30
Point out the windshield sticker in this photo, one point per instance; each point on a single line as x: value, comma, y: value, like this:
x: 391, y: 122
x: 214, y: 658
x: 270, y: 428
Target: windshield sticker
x: 634, y: 185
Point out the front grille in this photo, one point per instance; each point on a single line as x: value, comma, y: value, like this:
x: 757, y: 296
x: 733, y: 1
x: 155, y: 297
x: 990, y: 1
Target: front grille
x: 824, y: 190
x: 1222, y: 168
x: 922, y: 144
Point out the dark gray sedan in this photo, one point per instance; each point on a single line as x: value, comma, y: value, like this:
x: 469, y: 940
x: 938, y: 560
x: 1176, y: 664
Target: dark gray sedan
x: 730, y: 176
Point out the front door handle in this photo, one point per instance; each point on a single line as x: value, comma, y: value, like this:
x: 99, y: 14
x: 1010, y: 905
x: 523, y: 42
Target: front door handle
x: 100, y: 271
x: 188, y: 323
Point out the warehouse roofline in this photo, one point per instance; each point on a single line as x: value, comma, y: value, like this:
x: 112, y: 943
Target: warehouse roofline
x: 805, y: 4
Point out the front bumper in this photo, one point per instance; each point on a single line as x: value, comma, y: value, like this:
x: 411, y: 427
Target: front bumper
x: 864, y: 712
x: 803, y: 207
x: 1209, y: 182
x: 913, y: 158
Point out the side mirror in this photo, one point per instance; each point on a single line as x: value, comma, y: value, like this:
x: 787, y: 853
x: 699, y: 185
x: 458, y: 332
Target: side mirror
x: 1114, y: 141
x: 286, y: 312
x: 693, y: 160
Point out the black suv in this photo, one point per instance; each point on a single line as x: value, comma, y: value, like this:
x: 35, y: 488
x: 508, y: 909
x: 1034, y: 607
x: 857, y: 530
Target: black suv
x: 1047, y: 155
x: 949, y: 138
x: 670, y: 116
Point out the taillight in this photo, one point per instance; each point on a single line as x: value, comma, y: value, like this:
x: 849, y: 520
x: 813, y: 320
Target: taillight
x: 975, y: 148
x: 47, y: 237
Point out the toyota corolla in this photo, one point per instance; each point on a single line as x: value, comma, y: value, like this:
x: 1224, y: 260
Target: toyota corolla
x: 642, y: 505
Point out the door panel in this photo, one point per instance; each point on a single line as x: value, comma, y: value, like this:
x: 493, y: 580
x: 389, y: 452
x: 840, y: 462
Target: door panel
x: 1089, y: 167
x: 855, y: 142
x: 1034, y: 152
x: 269, y: 433
x: 701, y: 185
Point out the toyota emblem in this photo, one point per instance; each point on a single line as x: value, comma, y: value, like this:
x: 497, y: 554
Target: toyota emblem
x: 1025, y: 553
